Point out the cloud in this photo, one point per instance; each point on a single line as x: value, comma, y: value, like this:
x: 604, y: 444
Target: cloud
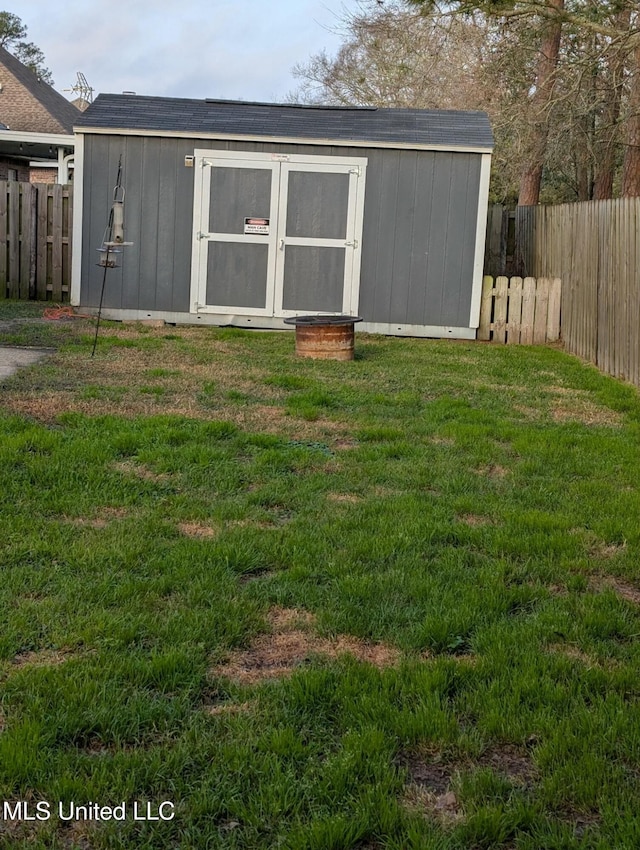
x: 241, y: 49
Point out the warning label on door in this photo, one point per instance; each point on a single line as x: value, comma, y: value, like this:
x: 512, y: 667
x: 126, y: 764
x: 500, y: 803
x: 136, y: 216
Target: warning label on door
x: 257, y: 225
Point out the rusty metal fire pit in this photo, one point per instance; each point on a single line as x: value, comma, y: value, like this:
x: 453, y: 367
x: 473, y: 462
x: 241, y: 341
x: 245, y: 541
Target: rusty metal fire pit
x: 324, y: 337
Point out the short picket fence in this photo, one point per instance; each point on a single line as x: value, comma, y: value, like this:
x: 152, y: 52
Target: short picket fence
x: 524, y: 311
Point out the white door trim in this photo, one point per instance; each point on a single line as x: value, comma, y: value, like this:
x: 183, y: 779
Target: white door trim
x: 201, y: 239
x: 281, y: 165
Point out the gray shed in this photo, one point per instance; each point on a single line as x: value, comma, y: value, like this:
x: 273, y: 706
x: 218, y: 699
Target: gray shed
x: 249, y: 213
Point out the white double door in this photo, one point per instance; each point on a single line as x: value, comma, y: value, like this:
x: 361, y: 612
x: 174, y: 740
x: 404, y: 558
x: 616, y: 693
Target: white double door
x: 276, y: 234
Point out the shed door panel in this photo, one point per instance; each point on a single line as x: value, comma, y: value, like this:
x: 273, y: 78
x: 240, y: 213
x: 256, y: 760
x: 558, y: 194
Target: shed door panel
x: 237, y: 274
x: 302, y: 260
x: 317, y: 204
x: 317, y: 235
x: 235, y: 269
x: 237, y: 193
x: 313, y: 279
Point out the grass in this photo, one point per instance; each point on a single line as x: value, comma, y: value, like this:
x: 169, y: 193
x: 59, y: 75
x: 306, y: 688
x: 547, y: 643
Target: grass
x: 391, y: 603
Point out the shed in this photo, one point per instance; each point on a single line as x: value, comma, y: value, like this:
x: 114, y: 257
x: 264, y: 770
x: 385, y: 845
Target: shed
x: 249, y: 213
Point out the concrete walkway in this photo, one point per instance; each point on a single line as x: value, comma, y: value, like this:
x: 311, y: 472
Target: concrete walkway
x: 11, y: 359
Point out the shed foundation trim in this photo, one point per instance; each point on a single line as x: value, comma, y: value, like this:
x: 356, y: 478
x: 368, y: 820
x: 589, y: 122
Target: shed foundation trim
x: 269, y: 323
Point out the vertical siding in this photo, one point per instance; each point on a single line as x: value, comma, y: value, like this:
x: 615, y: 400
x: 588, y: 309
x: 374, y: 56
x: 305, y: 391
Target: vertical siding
x: 417, y: 246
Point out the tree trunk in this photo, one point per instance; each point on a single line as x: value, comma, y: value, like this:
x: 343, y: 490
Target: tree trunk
x: 540, y: 103
x: 631, y: 169
x: 607, y: 145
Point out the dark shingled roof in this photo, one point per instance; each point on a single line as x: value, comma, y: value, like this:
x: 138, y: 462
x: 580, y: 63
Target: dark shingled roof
x: 61, y: 111
x: 404, y: 127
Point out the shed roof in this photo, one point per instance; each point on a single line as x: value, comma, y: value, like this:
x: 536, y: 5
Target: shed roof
x: 413, y: 128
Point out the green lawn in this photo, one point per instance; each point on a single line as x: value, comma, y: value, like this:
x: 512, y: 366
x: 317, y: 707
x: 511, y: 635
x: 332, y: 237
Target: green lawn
x: 392, y: 603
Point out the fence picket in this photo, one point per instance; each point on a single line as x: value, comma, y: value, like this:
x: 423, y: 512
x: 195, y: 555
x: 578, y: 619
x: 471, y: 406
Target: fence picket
x: 540, y: 314
x: 514, y: 315
x: 486, y: 305
x: 553, y: 314
x: 35, y: 240
x: 528, y: 310
x: 3, y: 242
x: 13, y: 240
x: 500, y: 310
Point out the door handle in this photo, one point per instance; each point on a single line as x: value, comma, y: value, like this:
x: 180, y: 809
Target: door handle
x: 282, y: 244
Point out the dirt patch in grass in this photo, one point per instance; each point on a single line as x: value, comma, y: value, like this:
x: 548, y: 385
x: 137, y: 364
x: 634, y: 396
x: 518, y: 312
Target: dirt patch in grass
x: 257, y: 575
x: 624, y: 589
x: 574, y: 653
x: 76, y: 835
x: 290, y: 643
x: 128, y: 467
x: 511, y: 762
x: 492, y: 470
x: 571, y: 405
x: 228, y: 709
x: 198, y: 530
x: 431, y: 778
x: 101, y: 520
x: 42, y: 658
x: 443, y: 807
x: 428, y: 790
x: 581, y: 822
x: 343, y: 444
x: 442, y: 441
x: 351, y: 498
x: 474, y: 520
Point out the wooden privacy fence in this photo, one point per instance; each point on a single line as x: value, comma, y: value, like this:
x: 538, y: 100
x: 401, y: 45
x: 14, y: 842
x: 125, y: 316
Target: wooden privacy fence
x: 35, y: 240
x: 594, y: 246
x: 514, y: 310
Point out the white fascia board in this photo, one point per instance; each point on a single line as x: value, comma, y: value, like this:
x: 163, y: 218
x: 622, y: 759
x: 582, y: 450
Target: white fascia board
x: 76, y: 254
x: 57, y: 139
x: 287, y: 140
x: 481, y: 232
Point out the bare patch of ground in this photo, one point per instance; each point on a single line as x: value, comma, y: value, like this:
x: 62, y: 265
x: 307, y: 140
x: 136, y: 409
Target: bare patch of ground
x: 624, y: 589
x: 582, y: 822
x: 443, y: 807
x: 42, y: 658
x: 474, y: 520
x: 352, y: 498
x: 431, y: 778
x: 509, y: 761
x: 574, y: 653
x: 387, y: 492
x: 102, y: 520
x: 257, y: 575
x: 572, y: 405
x: 290, y: 643
x: 492, y: 470
x: 527, y: 411
x: 196, y: 529
x: 343, y: 444
x: 128, y: 467
x: 76, y: 835
x: 228, y: 708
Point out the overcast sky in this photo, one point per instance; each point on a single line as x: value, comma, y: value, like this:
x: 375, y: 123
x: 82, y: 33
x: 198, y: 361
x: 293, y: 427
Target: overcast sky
x: 235, y: 49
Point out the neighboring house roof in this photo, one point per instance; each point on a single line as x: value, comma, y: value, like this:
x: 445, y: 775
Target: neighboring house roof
x: 419, y: 128
x: 29, y: 104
